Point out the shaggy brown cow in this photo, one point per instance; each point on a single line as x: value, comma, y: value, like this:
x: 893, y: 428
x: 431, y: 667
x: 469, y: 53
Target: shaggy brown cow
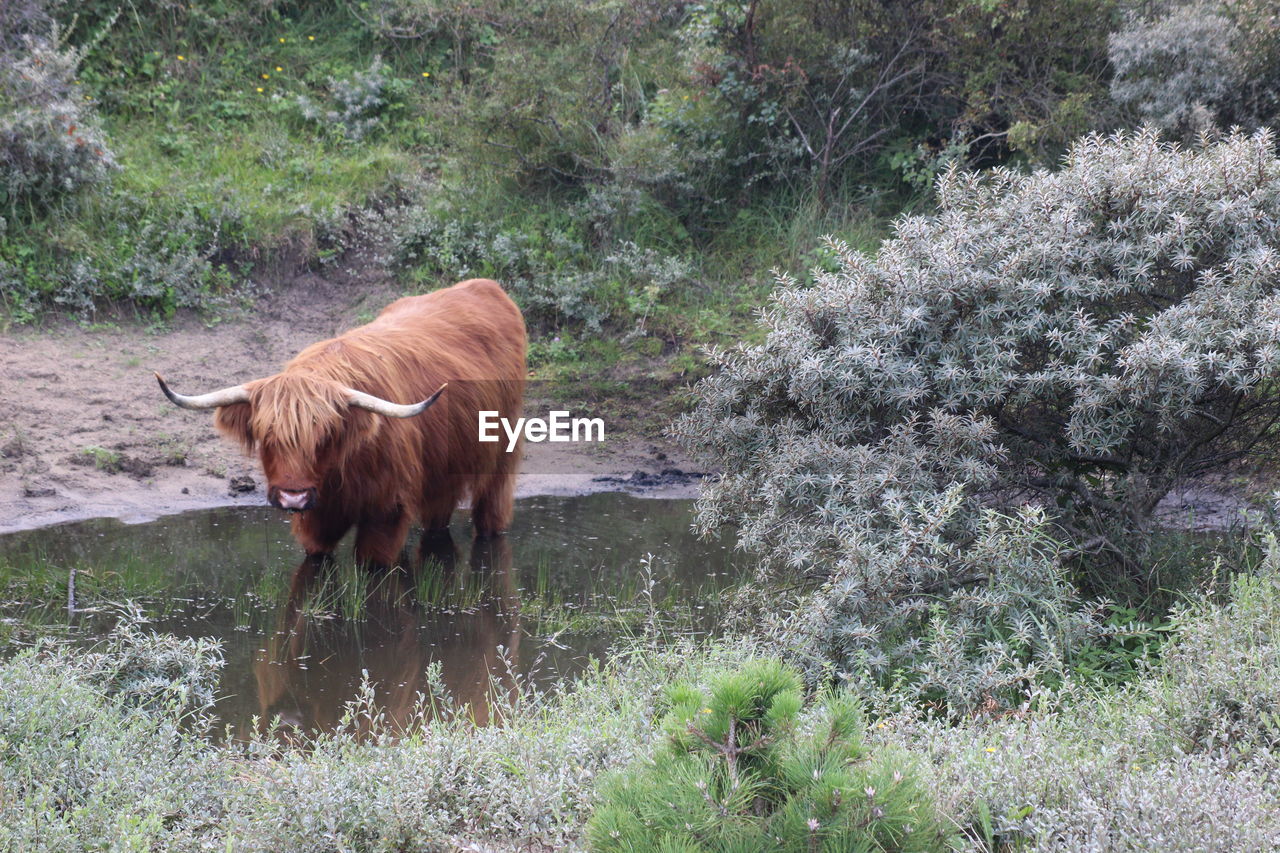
x: 339, y: 454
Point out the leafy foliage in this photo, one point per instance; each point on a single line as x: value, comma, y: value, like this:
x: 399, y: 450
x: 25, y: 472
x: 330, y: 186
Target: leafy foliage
x: 549, y: 267
x: 981, y: 627
x: 148, y: 670
x: 356, y: 106
x: 747, y: 769
x: 823, y: 85
x: 1193, y: 743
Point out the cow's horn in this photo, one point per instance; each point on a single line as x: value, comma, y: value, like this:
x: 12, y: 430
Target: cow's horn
x: 362, y: 400
x: 212, y: 400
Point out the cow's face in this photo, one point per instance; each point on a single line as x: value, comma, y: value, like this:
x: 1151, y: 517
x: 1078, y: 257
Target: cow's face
x: 302, y: 429
x: 295, y: 474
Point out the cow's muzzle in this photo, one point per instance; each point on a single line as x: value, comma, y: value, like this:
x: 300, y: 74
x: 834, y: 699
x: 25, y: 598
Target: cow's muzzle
x: 294, y: 501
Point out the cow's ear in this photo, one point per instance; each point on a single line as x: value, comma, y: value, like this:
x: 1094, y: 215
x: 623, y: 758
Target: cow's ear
x: 234, y: 422
x: 361, y: 426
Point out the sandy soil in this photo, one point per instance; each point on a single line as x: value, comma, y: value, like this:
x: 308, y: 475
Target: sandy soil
x: 85, y: 432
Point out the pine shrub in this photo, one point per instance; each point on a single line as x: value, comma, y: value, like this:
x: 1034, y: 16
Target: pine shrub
x: 746, y: 768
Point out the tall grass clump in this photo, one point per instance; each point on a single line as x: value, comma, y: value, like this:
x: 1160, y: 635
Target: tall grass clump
x: 1081, y: 340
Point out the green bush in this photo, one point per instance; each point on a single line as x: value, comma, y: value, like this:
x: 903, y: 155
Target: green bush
x: 157, y: 256
x: 548, y: 265
x: 747, y: 768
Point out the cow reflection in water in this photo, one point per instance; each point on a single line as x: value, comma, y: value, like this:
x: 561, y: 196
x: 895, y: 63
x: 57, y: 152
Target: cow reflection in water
x: 314, y: 664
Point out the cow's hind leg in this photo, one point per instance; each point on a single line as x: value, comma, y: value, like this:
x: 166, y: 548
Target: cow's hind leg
x: 381, y: 537
x: 437, y: 551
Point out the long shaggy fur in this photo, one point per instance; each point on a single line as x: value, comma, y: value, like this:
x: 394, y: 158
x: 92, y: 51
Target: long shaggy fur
x: 379, y: 473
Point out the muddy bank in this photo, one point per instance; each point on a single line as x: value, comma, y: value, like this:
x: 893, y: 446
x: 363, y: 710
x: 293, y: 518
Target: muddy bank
x: 624, y: 468
x: 85, y: 432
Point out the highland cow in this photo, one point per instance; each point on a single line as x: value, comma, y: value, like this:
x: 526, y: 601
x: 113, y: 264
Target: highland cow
x: 339, y: 453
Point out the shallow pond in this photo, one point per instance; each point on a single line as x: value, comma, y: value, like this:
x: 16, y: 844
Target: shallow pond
x: 569, y: 579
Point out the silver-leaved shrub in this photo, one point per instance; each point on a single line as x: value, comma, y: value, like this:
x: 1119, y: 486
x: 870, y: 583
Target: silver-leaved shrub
x: 356, y: 105
x: 51, y: 143
x: 1185, y: 66
x: 1185, y: 758
x: 1077, y: 341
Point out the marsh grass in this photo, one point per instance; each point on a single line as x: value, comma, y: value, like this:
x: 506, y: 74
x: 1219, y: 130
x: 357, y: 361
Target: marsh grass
x: 39, y: 593
x: 1189, y: 748
x: 647, y: 603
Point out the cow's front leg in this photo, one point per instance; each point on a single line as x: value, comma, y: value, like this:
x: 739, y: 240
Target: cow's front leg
x: 320, y: 530
x: 380, y: 538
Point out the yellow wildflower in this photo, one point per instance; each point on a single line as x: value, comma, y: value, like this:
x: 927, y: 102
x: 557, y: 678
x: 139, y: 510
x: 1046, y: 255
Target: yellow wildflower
x: 991, y: 749
x: 181, y: 58
x: 259, y: 88
x: 311, y: 38
x: 282, y: 39
x: 278, y: 68
x: 266, y: 76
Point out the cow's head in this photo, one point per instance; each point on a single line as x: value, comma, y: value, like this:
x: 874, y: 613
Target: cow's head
x: 302, y: 427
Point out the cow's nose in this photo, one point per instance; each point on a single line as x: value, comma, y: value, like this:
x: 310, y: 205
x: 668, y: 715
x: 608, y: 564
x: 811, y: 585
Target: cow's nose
x: 296, y: 501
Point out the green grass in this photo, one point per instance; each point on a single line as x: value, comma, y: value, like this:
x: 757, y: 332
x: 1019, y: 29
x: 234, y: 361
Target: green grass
x: 43, y: 598
x: 279, y: 181
x: 220, y: 180
x: 101, y: 458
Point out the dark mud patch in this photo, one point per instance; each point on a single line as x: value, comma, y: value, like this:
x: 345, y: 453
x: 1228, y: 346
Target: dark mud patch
x: 111, y: 462
x: 1203, y: 507
x: 666, y: 478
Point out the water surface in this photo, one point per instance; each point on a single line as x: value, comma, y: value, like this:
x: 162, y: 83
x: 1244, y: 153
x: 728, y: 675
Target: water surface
x: 471, y: 618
